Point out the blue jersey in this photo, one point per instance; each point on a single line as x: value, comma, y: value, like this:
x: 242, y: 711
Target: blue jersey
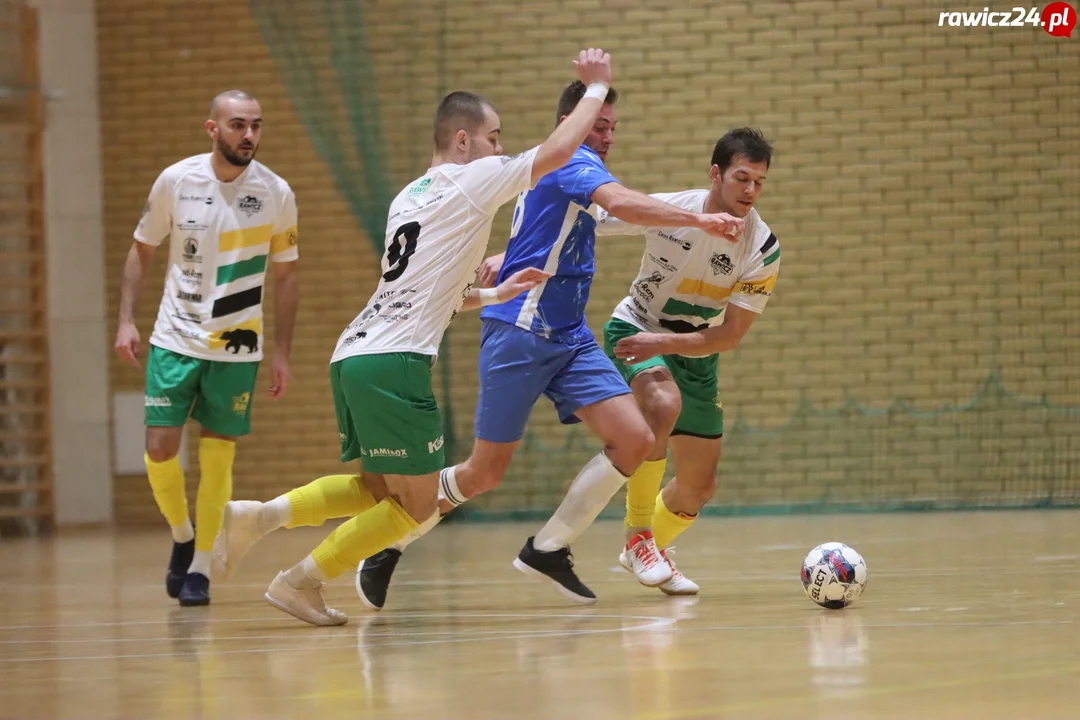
x: 554, y: 230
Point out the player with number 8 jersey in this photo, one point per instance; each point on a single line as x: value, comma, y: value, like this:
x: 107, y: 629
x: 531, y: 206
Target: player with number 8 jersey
x: 380, y: 373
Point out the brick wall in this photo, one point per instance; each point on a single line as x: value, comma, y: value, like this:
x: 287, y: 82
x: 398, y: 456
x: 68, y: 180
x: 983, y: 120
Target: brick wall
x: 924, y: 191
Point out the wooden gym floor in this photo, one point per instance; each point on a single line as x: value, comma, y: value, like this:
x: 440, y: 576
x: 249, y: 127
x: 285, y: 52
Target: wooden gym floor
x: 972, y: 615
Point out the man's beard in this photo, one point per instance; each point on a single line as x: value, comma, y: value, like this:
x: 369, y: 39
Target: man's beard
x: 232, y: 158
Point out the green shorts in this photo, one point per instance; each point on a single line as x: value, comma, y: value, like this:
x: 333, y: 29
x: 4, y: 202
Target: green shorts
x: 702, y: 412
x: 386, y: 412
x: 216, y: 394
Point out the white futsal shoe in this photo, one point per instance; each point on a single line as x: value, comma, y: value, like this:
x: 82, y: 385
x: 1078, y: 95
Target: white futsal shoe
x: 679, y: 584
x: 304, y: 603
x: 641, y: 557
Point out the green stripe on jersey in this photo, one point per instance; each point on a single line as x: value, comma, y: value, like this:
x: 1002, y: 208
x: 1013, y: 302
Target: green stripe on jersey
x: 678, y: 307
x: 773, y: 258
x: 228, y: 273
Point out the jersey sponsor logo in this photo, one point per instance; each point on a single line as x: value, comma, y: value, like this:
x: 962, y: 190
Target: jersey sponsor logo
x: 642, y: 289
x: 385, y: 452
x: 238, y: 338
x: 190, y: 297
x: 240, y: 403
x: 191, y: 251
x: 637, y: 304
x: 156, y: 401
x: 350, y: 339
x: 400, y: 304
x: 189, y: 334
x: 721, y: 263
x: 205, y: 199
x: 663, y: 262
x: 656, y: 278
x: 250, y: 205
x: 757, y: 287
x: 192, y: 226
x: 435, y: 445
x: 190, y: 276
x: 686, y: 244
x: 420, y: 187
x: 188, y: 317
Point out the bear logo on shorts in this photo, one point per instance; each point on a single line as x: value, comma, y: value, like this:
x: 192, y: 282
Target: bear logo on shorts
x: 241, y: 337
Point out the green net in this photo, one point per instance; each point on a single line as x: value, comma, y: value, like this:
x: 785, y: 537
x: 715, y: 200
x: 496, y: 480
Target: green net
x: 924, y: 192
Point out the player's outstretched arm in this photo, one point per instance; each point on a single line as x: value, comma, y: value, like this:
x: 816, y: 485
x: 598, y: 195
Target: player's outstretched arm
x: 637, y: 208
x: 127, y: 335
x: 722, y: 338
x: 594, y: 69
x: 508, y: 289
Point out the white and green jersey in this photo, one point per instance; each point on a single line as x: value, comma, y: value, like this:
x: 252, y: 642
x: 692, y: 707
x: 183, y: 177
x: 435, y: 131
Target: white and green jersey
x: 689, y: 277
x: 436, y: 237
x: 221, y: 236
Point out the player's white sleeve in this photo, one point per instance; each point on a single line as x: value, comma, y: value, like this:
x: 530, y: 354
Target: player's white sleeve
x: 283, y: 241
x: 756, y: 284
x: 156, y: 222
x: 494, y: 181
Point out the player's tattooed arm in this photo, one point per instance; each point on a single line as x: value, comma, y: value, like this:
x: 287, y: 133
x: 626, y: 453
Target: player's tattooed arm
x: 701, y: 343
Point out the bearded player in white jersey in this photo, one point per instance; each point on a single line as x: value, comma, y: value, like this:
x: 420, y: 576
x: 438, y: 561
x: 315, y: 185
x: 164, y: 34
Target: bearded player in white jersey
x: 228, y: 220
x: 380, y: 373
x: 695, y: 296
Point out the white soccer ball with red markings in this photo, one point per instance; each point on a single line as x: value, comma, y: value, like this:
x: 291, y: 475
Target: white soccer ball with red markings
x: 834, y: 575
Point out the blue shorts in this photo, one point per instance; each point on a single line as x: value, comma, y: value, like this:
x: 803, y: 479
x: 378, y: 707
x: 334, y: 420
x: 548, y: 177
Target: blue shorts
x: 517, y: 367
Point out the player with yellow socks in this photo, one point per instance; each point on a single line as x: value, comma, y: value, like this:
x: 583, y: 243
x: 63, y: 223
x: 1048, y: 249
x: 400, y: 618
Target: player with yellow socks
x: 380, y: 372
x: 227, y: 219
x: 695, y: 297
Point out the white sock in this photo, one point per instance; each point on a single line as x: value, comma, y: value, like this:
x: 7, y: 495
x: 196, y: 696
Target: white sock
x: 200, y: 563
x: 588, y: 495
x: 183, y: 533
x: 448, y: 489
x: 305, y: 574
x: 423, y: 529
x: 275, y: 514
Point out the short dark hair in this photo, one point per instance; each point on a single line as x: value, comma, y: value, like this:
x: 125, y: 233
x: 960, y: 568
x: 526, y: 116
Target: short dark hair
x: 572, y: 94
x: 741, y: 141
x: 459, y: 110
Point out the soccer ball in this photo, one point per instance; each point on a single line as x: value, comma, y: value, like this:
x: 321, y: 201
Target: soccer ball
x: 834, y: 575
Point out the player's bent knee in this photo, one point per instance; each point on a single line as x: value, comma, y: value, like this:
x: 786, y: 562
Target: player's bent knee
x: 661, y: 411
x: 635, y: 445
x: 161, y: 446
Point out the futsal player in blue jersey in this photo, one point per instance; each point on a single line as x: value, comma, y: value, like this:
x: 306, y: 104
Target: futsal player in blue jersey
x: 539, y: 344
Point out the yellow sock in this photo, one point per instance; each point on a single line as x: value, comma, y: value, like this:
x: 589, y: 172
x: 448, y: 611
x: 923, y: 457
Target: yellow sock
x: 641, y: 488
x: 363, y: 536
x: 332, y: 496
x: 215, y: 489
x: 167, y: 482
x: 666, y: 525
